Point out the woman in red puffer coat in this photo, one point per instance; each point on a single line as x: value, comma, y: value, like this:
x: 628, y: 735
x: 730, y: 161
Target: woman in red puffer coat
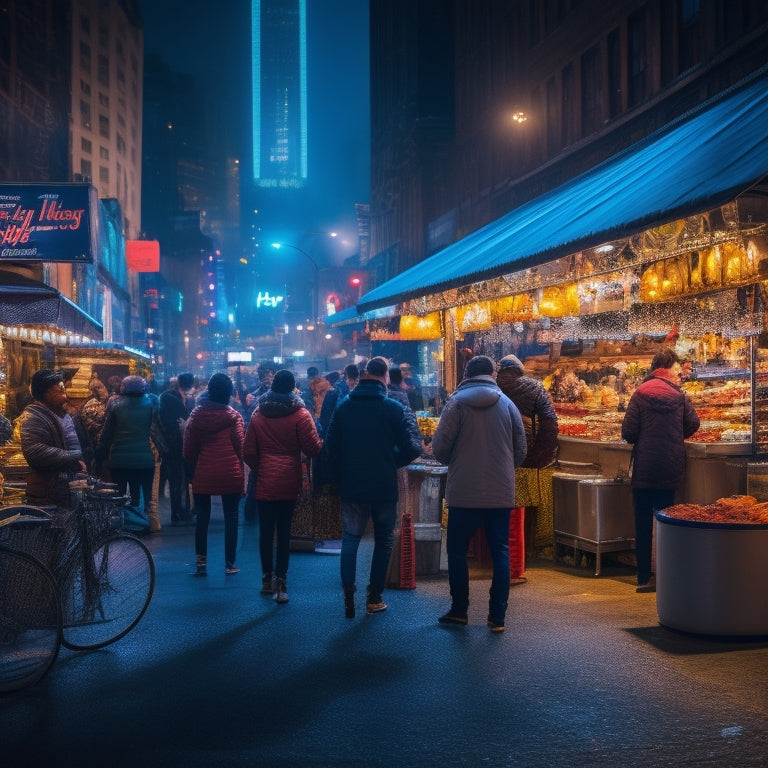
x: 280, y: 430
x: 213, y: 446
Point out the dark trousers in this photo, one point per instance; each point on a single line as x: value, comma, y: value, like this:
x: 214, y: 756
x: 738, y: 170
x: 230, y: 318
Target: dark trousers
x: 275, y: 516
x: 463, y: 522
x: 135, y: 482
x: 175, y: 473
x: 647, y: 501
x: 230, y: 503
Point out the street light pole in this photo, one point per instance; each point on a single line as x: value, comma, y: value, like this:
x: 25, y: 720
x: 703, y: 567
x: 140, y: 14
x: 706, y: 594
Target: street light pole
x: 316, y: 276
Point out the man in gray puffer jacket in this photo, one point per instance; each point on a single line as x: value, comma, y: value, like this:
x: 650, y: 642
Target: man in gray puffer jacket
x: 481, y: 438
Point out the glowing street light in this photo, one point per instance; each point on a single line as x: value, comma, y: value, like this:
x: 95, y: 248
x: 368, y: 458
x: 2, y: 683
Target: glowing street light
x: 315, y: 269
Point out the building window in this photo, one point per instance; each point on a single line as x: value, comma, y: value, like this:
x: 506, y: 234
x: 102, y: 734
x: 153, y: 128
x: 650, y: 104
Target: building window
x: 103, y: 174
x: 86, y: 169
x: 104, y: 126
x: 85, y: 56
x: 103, y: 36
x: 591, y: 91
x: 104, y: 71
x: 104, y: 100
x: 85, y: 25
x: 85, y: 114
x: 85, y: 145
x: 567, y: 133
x: 104, y: 153
x: 85, y: 88
x: 690, y: 34
x: 553, y: 114
x: 121, y: 145
x: 637, y: 58
x: 614, y: 73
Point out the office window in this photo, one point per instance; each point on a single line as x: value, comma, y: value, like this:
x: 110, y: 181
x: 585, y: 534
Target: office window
x: 103, y: 174
x: 591, y: 91
x: 85, y: 25
x: 568, y: 121
x: 85, y: 114
x: 85, y: 55
x: 637, y: 58
x: 104, y: 153
x: 104, y: 126
x: 86, y: 169
x: 121, y: 145
x: 104, y: 100
x: 85, y: 145
x: 104, y: 70
x: 553, y: 118
x: 85, y: 88
x: 614, y: 73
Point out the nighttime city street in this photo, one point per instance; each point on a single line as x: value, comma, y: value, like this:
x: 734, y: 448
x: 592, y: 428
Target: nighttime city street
x: 331, y: 272
x: 217, y: 674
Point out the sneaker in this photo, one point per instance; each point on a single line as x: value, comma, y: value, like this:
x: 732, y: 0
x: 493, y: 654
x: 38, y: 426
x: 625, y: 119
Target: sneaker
x: 281, y: 596
x: 375, y: 607
x: 267, y: 584
x: 200, y: 566
x: 453, y: 619
x: 495, y: 626
x: 230, y: 570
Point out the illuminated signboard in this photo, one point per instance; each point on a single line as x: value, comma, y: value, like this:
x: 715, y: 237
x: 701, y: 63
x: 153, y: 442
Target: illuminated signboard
x: 48, y: 222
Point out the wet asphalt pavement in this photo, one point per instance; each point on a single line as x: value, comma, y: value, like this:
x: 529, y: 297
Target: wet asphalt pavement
x: 218, y: 675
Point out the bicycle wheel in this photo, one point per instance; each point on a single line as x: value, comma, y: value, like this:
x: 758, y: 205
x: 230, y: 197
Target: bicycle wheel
x: 30, y: 620
x: 108, y: 594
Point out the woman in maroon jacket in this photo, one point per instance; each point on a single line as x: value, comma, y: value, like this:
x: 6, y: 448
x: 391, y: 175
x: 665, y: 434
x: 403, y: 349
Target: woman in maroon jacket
x: 281, y: 428
x: 659, y: 417
x: 213, y: 446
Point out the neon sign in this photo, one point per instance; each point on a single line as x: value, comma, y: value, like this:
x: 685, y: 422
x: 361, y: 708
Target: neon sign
x: 263, y: 299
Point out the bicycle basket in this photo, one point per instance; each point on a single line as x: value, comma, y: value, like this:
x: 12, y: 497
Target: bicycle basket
x: 28, y: 529
x: 101, y: 510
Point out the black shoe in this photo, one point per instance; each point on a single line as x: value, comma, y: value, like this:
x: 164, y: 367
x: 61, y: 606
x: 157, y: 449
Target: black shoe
x: 648, y: 586
x: 453, y: 619
x: 349, y: 603
x: 495, y: 626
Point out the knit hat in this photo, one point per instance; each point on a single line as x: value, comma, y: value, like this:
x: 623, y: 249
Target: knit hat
x: 220, y: 388
x: 43, y: 380
x: 284, y: 382
x: 479, y: 366
x: 378, y: 367
x: 510, y: 361
x: 133, y: 385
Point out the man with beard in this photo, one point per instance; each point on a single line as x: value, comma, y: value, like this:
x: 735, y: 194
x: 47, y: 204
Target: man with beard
x: 44, y: 444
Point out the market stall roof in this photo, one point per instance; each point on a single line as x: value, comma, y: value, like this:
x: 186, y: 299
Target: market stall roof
x: 698, y: 162
x: 24, y: 301
x: 350, y: 315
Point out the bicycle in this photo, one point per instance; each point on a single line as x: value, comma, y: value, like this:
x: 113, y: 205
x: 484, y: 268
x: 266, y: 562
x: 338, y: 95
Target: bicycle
x: 104, y: 579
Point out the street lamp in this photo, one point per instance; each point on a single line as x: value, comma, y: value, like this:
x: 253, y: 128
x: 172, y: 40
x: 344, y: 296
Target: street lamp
x: 315, y: 269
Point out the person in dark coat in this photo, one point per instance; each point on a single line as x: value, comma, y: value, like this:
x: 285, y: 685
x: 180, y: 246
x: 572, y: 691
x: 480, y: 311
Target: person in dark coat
x: 51, y: 463
x: 213, y: 447
x: 659, y: 417
x: 368, y: 439
x: 540, y: 422
x: 281, y: 428
x: 125, y: 443
x: 172, y: 415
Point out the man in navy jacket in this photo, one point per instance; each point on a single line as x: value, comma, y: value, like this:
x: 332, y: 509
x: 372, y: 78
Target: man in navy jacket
x: 368, y: 439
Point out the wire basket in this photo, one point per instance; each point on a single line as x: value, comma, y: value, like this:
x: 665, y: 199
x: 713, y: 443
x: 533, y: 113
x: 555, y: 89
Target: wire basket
x: 101, y: 510
x: 30, y: 530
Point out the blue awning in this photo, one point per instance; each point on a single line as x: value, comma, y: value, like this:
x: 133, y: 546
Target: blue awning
x: 694, y: 164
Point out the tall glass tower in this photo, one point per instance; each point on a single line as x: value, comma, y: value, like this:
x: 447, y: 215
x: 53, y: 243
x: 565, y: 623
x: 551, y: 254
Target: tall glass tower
x: 279, y: 63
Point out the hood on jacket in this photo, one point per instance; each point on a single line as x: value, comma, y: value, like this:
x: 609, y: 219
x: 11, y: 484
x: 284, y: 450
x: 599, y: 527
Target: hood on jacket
x: 659, y: 394
x: 276, y: 405
x: 477, y: 392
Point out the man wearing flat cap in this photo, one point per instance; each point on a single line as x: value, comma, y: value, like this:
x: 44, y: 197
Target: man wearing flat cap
x: 52, y: 461
x: 481, y: 438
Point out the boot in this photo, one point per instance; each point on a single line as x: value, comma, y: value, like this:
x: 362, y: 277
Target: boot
x: 267, y: 584
x: 349, y: 602
x: 201, y: 568
x: 281, y: 595
x: 373, y: 602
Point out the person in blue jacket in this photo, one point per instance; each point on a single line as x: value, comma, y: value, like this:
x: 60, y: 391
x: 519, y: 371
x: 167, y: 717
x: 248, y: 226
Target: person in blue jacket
x: 368, y: 439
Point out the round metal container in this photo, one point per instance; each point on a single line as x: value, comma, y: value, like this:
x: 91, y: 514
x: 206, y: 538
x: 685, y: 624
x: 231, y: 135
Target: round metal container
x: 712, y: 578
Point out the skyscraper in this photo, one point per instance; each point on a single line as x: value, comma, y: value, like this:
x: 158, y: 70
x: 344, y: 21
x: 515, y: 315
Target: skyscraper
x: 279, y: 63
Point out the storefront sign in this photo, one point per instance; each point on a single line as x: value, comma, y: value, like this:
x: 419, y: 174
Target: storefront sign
x: 51, y: 222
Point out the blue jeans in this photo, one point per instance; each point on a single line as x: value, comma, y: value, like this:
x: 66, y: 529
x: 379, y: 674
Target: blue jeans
x: 354, y: 518
x: 463, y: 523
x: 647, y: 501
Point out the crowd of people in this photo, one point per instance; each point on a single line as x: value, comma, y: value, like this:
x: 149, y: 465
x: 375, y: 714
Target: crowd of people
x: 359, y: 430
